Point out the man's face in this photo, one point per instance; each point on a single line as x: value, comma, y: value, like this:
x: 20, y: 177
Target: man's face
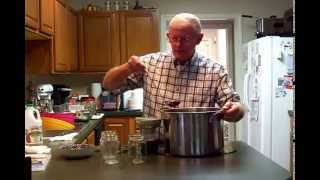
x: 183, y: 40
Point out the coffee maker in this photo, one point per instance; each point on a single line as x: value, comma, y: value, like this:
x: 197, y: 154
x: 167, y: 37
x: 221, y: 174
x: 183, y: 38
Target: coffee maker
x: 59, y: 96
x: 44, y: 100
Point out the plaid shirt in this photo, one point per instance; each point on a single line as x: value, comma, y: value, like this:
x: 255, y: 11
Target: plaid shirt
x: 200, y: 82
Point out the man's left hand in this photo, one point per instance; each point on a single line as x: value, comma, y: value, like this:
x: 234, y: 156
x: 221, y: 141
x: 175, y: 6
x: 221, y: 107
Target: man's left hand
x: 233, y: 111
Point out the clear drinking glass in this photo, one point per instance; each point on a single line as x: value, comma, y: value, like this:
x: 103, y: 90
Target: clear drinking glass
x: 109, y: 147
x: 135, y: 144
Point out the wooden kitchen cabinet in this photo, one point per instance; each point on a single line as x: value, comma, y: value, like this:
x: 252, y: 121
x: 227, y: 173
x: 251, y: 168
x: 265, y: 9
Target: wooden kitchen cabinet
x: 90, y: 139
x: 122, y: 125
x: 39, y: 17
x: 98, y: 41
x: 139, y: 33
x: 65, y: 40
x: 32, y: 14
x: 108, y: 39
x: 47, y: 16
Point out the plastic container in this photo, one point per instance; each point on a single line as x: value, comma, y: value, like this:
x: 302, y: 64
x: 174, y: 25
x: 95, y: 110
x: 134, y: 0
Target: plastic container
x: 33, y: 126
x: 108, y: 101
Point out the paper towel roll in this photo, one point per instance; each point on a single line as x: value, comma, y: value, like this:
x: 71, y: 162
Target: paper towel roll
x: 96, y: 90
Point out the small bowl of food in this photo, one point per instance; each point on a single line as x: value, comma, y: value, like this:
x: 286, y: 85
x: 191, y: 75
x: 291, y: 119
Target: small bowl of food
x: 76, y: 151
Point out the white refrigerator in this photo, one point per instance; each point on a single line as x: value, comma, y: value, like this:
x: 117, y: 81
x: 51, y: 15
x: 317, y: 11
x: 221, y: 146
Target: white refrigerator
x: 268, y: 95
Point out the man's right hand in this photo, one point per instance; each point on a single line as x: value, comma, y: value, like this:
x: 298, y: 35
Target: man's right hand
x: 136, y: 65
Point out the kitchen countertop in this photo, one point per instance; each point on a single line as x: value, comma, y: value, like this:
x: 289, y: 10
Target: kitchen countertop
x: 120, y: 113
x: 244, y: 164
x: 85, y: 128
x: 82, y: 128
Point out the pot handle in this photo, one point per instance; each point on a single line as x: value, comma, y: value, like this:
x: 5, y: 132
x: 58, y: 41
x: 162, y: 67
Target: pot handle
x: 219, y: 114
x: 163, y: 114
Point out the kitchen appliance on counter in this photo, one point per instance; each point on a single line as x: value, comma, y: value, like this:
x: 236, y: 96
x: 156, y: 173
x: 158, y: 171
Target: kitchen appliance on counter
x: 59, y: 96
x: 44, y: 100
x: 150, y: 130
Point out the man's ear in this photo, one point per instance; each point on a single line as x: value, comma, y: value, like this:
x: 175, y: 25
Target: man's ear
x: 200, y: 36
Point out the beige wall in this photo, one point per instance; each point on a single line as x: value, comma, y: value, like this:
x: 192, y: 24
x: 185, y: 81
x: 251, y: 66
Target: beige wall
x: 78, y: 83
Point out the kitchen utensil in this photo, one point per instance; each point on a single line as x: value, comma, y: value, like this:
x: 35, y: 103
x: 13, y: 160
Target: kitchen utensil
x: 150, y: 130
x: 195, y: 131
x: 149, y: 127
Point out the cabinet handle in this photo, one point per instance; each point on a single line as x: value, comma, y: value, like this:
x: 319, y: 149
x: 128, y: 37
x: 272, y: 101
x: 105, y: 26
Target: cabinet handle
x: 115, y: 125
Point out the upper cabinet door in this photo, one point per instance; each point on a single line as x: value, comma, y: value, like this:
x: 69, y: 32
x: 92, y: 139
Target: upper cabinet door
x: 98, y: 41
x: 65, y: 40
x: 47, y: 16
x: 139, y: 33
x: 61, y: 63
x: 32, y: 14
x: 72, y: 40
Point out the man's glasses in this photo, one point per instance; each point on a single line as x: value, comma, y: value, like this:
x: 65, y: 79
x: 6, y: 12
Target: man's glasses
x: 183, y: 39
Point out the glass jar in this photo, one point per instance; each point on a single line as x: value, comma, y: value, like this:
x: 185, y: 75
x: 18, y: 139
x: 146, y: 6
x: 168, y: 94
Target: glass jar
x: 126, y: 5
x: 107, y: 5
x: 109, y: 147
x: 116, y: 5
x: 135, y: 144
x: 228, y: 136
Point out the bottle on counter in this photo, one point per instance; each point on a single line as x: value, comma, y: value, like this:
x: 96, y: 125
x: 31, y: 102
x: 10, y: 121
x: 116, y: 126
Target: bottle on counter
x: 126, y: 5
x: 33, y: 126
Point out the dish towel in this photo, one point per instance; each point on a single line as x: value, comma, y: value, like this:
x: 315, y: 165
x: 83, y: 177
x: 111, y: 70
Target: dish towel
x: 67, y: 137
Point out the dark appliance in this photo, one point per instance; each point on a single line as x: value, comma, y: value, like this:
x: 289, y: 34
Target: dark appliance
x: 59, y: 96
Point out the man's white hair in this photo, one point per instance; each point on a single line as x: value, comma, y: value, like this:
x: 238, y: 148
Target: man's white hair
x: 192, y: 19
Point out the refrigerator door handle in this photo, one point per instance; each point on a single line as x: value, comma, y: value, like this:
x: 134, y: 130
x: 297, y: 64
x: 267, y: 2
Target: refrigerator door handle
x: 246, y: 90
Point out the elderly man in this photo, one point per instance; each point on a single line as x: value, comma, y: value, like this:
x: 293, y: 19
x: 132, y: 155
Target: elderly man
x: 181, y: 75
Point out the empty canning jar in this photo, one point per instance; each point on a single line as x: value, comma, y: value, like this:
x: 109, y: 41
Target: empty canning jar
x: 135, y: 145
x: 109, y: 147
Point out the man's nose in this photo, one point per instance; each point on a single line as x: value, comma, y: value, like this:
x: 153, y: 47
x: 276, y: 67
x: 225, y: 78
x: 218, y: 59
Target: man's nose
x: 178, y: 42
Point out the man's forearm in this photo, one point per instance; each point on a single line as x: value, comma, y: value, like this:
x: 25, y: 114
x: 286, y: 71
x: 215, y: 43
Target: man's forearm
x: 116, y: 76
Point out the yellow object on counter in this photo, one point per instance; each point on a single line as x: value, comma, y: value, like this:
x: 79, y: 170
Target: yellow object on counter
x: 49, y: 123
